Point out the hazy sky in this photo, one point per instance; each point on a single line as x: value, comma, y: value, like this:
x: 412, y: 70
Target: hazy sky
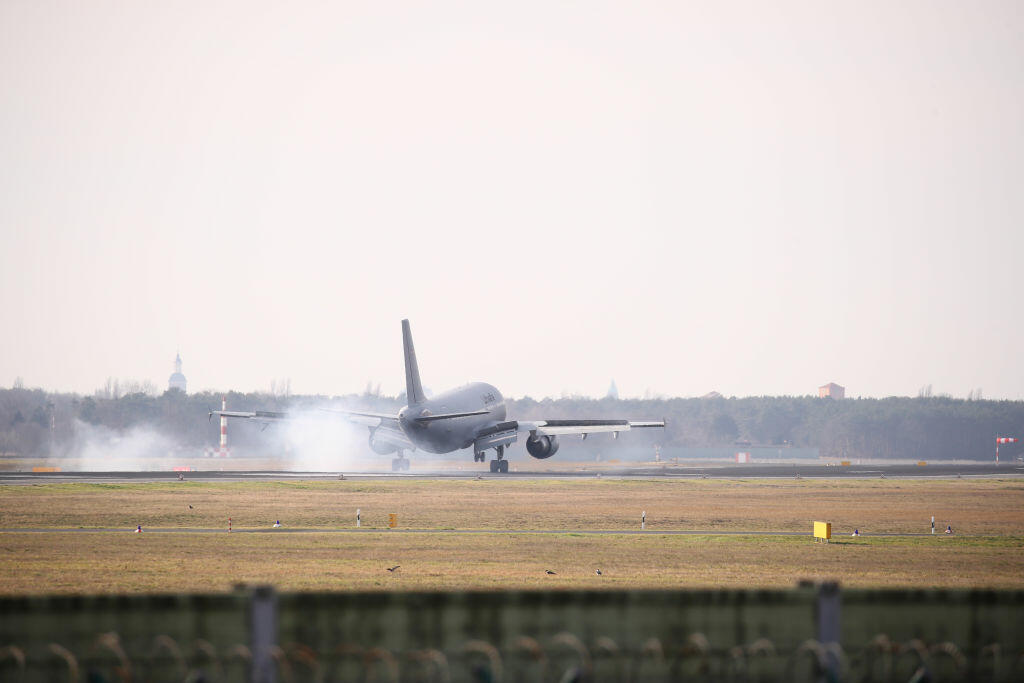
x: 752, y: 198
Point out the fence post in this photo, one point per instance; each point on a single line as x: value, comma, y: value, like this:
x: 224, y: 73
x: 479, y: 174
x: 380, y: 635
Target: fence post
x: 263, y: 633
x: 829, y: 626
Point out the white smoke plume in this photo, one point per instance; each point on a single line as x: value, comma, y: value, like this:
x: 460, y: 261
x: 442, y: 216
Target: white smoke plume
x: 318, y: 440
x: 100, y: 449
x: 311, y: 440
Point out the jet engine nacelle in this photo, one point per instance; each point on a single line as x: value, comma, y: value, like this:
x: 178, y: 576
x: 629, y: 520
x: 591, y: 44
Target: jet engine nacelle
x: 542, y: 446
x: 381, y: 447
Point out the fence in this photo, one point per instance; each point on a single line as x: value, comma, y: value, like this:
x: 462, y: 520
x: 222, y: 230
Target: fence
x: 811, y: 633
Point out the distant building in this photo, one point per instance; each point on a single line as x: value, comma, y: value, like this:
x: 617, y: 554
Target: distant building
x: 712, y: 394
x: 177, y: 380
x: 832, y: 390
x: 613, y: 391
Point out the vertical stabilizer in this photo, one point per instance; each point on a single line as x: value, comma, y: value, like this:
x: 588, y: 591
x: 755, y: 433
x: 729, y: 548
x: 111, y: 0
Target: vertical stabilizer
x: 413, y: 388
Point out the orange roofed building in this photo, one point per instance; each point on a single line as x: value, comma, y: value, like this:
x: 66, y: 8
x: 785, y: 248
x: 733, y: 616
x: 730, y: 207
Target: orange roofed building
x: 832, y: 390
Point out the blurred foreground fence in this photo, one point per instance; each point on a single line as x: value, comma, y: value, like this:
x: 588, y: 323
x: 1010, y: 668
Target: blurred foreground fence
x: 813, y: 633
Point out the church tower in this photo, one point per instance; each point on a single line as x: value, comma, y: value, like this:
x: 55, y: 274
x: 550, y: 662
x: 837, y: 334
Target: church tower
x: 613, y: 391
x: 177, y: 380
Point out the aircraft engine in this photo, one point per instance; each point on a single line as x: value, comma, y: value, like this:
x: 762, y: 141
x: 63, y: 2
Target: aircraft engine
x: 542, y: 446
x: 381, y: 447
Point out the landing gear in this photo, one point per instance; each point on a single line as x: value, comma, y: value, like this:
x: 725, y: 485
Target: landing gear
x: 500, y: 465
x: 400, y: 464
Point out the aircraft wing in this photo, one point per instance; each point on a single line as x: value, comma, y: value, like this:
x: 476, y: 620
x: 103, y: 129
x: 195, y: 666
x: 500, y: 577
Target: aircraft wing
x: 261, y: 416
x: 384, y: 427
x: 584, y: 427
x: 365, y: 418
x: 393, y: 435
x: 507, y: 433
x: 267, y: 416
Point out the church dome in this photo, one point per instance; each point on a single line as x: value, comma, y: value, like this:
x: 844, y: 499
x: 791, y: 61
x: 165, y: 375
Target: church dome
x: 177, y: 380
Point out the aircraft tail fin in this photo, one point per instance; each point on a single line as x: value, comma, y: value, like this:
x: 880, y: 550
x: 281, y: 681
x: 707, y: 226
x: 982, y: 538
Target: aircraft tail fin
x: 413, y: 388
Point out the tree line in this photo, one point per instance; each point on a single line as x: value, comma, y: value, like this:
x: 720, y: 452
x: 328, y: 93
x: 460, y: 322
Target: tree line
x: 38, y: 423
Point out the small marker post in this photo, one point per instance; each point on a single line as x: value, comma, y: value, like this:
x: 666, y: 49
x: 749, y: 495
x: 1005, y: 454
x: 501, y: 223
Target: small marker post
x: 933, y: 524
x: 359, y: 520
x: 229, y: 525
x: 643, y: 520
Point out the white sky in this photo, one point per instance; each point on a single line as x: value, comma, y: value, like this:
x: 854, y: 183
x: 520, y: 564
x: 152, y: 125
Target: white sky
x: 745, y: 197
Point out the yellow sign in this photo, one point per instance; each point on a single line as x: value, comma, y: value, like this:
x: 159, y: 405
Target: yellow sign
x: 46, y: 469
x: 392, y: 520
x: 823, y: 530
x: 922, y: 463
x: 845, y: 463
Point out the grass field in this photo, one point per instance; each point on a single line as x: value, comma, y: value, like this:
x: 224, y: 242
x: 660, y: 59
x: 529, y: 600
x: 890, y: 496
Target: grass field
x: 987, y: 550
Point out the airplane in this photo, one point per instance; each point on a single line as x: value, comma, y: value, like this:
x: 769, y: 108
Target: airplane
x: 471, y: 415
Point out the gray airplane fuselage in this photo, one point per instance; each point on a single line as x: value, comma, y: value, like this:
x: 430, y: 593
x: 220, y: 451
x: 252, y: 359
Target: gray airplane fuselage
x: 443, y: 436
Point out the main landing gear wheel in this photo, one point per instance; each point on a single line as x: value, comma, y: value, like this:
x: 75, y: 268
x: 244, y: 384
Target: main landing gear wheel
x: 500, y: 464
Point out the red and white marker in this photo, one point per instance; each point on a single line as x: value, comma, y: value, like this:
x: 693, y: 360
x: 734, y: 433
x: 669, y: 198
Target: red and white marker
x: 1004, y: 439
x: 223, y: 429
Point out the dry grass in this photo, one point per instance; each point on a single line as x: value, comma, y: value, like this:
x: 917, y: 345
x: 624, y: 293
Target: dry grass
x: 972, y: 506
x: 987, y: 551
x: 125, y: 562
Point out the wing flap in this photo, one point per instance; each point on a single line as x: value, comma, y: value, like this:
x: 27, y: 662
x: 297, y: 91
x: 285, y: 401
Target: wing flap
x: 395, y: 437
x: 501, y: 434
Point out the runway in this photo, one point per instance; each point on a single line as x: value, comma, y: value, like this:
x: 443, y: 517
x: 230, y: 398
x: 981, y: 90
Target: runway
x: 455, y: 532
x: 571, y: 471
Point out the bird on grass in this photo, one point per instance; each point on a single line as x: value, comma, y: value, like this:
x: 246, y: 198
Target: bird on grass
x: 548, y: 571
x: 598, y: 572
x: 189, y: 507
x: 392, y: 569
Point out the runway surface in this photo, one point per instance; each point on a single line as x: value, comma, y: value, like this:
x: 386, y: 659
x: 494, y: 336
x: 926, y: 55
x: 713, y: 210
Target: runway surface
x: 571, y: 471
x: 475, y: 532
